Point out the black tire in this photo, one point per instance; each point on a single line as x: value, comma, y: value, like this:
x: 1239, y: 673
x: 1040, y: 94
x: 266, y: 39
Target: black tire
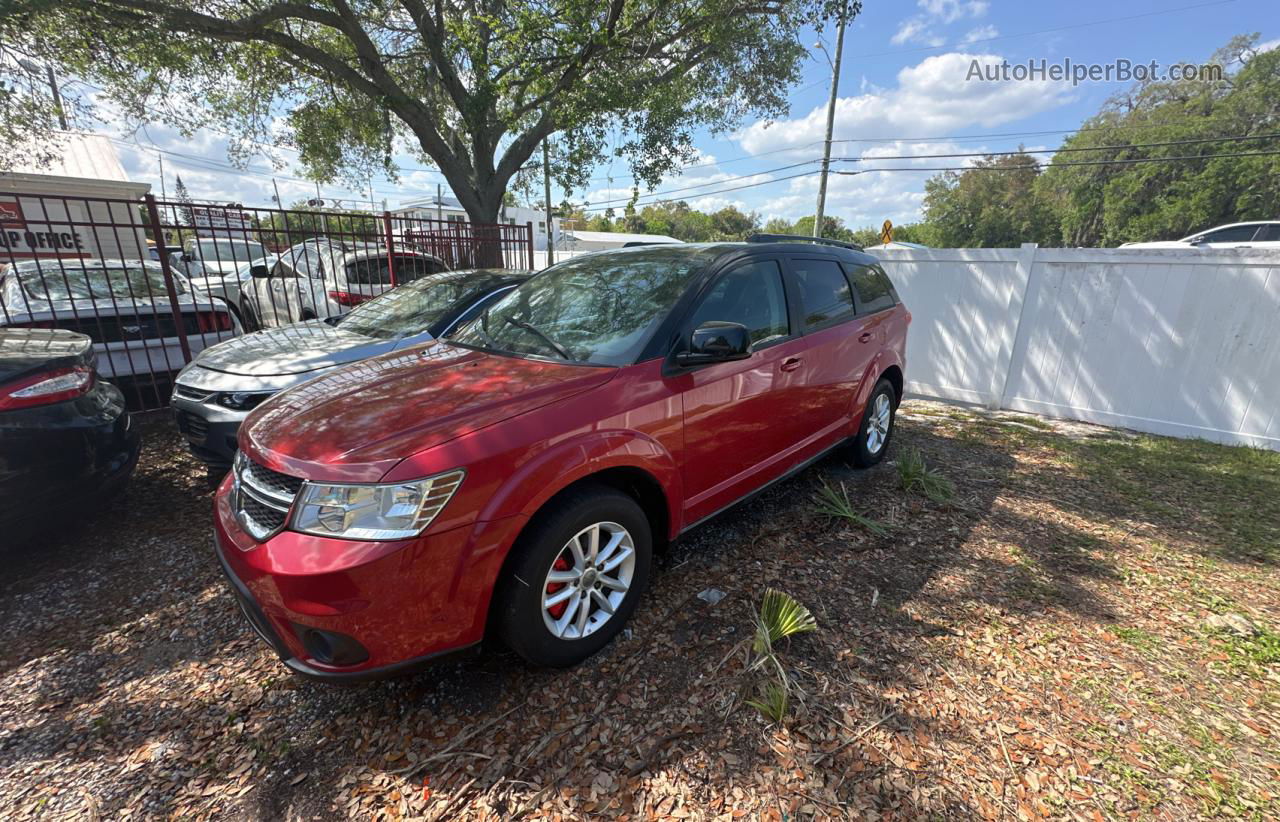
x: 248, y: 320
x: 519, y: 613
x: 868, y: 450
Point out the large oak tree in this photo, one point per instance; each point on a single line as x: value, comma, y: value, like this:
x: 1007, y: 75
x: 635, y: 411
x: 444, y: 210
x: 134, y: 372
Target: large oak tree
x: 472, y: 86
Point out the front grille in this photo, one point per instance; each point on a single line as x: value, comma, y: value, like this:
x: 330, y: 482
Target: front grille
x: 193, y: 394
x: 263, y: 497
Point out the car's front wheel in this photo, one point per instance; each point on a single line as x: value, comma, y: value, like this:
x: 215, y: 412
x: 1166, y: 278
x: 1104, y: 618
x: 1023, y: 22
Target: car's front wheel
x: 575, y: 577
x: 872, y: 441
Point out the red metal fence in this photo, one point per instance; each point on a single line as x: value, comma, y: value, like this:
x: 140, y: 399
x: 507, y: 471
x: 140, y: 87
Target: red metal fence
x: 155, y: 282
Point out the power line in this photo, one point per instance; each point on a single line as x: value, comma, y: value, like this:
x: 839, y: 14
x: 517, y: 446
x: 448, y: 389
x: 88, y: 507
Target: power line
x: 704, y: 185
x: 1051, y: 164
x: 720, y: 191
x: 1058, y: 150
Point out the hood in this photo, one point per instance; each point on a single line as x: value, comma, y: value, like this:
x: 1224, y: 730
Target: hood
x: 26, y: 351
x: 292, y: 349
x: 356, y: 423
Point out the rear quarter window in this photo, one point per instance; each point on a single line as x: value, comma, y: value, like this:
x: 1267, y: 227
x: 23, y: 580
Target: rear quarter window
x: 825, y: 297
x: 871, y: 284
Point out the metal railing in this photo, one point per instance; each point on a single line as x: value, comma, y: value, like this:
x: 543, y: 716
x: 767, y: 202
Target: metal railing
x: 155, y: 282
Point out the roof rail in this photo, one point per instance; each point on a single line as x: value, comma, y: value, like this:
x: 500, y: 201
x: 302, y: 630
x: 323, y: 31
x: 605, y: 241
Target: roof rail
x: 800, y: 238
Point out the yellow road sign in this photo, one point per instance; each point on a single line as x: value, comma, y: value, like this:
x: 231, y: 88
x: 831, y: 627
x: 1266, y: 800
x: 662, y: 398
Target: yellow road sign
x: 886, y: 232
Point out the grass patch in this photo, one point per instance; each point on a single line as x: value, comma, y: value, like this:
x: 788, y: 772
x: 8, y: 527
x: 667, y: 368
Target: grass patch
x: 1136, y: 637
x: 918, y: 477
x: 834, y: 502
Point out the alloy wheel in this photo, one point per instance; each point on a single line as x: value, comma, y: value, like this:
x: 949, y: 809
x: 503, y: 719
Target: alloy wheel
x: 878, y: 423
x: 588, y: 580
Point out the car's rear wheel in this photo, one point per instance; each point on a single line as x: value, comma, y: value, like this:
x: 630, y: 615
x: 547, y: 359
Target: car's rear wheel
x: 247, y: 318
x: 872, y: 441
x: 575, y: 577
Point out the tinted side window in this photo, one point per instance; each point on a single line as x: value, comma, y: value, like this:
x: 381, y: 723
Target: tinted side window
x: 1270, y: 233
x: 874, y: 291
x: 1235, y: 234
x: 751, y: 294
x: 824, y: 292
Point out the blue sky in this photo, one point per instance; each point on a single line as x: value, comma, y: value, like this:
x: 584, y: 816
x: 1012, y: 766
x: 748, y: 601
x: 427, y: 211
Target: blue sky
x: 902, y: 92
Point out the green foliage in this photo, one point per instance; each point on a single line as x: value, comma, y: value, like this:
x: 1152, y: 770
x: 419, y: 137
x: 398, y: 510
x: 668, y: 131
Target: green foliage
x: 680, y: 220
x: 780, y: 617
x: 1109, y: 204
x: 993, y: 205
x: 834, y: 502
x: 918, y: 477
x: 774, y: 700
x: 475, y: 89
x: 287, y: 228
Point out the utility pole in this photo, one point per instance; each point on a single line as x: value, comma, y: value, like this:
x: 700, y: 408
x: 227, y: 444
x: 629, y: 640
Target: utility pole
x: 546, y: 189
x: 439, y: 202
x: 35, y: 68
x: 163, y: 194
x: 279, y: 202
x: 831, y: 121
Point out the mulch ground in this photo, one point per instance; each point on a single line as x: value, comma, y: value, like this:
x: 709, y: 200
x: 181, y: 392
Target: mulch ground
x: 1086, y: 630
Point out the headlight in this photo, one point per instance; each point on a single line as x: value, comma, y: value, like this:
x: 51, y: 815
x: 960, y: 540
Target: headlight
x: 390, y: 511
x: 242, y: 400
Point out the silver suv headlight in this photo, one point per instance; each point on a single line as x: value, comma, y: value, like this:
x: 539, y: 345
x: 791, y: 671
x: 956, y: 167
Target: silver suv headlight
x: 381, y: 511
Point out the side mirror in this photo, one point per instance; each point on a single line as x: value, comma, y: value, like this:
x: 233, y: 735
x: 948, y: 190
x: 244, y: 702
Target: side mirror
x: 714, y: 342
x: 259, y: 271
x: 1200, y: 241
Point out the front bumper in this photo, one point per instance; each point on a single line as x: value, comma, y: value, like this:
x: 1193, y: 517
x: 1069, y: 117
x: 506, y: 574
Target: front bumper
x: 210, y: 430
x: 401, y: 605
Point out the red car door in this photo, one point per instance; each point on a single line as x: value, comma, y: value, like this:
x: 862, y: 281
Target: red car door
x: 840, y: 348
x: 739, y: 417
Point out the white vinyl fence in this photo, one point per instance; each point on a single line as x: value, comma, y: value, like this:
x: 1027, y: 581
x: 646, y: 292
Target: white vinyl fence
x: 1185, y: 343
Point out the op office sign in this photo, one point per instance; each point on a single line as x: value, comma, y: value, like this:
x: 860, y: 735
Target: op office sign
x: 21, y: 238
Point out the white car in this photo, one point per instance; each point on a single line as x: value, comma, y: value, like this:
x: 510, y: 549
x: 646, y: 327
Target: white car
x: 1265, y: 234
x: 212, y: 264
x: 324, y: 281
x: 122, y: 305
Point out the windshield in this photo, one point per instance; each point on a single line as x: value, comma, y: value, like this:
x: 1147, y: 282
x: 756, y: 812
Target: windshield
x: 414, y: 308
x: 95, y: 282
x: 230, y: 251
x: 598, y: 309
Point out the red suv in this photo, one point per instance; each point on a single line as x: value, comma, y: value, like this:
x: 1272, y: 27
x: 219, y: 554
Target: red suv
x: 518, y: 476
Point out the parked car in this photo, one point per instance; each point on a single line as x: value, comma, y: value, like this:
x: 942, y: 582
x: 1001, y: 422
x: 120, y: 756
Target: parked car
x: 122, y: 305
x: 276, y: 293
x: 65, y: 437
x: 212, y: 264
x: 214, y: 394
x: 519, y: 475
x: 1265, y: 234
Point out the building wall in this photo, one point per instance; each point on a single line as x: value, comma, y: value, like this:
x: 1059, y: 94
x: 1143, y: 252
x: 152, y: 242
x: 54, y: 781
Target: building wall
x: 1183, y: 343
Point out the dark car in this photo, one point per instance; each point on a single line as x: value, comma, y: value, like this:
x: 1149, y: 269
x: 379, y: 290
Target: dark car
x: 65, y: 437
x: 225, y: 382
x: 516, y: 478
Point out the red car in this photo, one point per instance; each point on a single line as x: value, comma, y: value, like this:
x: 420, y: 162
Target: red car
x: 516, y: 478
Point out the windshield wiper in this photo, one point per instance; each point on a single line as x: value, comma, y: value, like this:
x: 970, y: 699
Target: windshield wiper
x: 533, y: 329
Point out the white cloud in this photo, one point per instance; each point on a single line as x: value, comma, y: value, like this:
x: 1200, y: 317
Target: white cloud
x: 1269, y: 45
x: 919, y: 28
x: 980, y: 33
x: 932, y: 97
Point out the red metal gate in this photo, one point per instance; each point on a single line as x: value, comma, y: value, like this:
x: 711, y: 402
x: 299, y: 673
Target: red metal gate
x: 155, y: 282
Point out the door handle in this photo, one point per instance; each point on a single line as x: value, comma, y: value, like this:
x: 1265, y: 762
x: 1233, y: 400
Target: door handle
x: 791, y: 363
x: 865, y: 336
